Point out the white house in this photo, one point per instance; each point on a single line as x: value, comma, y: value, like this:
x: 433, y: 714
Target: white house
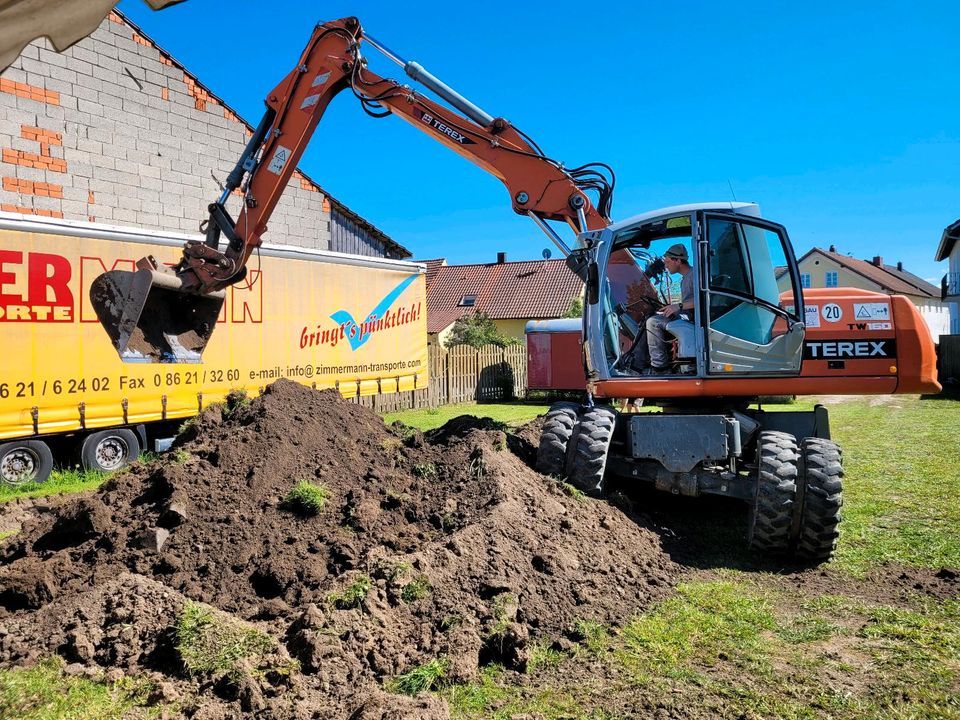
x: 950, y: 285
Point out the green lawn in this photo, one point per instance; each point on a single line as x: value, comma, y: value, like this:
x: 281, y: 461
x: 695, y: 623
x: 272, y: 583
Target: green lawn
x: 902, y: 490
x: 61, y: 482
x: 509, y: 413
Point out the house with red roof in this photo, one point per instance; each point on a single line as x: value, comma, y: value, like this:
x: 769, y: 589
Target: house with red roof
x: 510, y: 293
x: 827, y: 268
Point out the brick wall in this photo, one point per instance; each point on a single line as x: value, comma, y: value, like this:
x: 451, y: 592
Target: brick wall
x: 114, y: 130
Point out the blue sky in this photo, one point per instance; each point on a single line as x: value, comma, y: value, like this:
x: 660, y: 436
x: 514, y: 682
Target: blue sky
x: 840, y: 119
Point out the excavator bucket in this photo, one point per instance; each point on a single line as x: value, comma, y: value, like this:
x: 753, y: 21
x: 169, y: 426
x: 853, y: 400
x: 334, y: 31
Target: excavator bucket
x: 151, y: 319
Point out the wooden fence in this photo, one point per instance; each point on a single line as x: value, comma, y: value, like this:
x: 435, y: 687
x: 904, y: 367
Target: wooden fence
x: 461, y: 374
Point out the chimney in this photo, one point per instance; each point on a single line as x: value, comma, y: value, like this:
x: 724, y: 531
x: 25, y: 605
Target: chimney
x: 833, y: 248
x: 878, y: 261
x: 501, y: 258
x: 899, y: 266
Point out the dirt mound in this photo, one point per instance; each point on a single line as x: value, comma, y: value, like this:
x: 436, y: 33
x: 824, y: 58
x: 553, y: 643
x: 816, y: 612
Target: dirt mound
x: 445, y: 548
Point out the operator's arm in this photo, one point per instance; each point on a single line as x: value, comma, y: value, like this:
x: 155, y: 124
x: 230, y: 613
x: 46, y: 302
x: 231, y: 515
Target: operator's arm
x: 685, y: 305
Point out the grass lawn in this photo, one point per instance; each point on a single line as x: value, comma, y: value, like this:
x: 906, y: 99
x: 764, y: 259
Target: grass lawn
x: 429, y: 419
x: 902, y: 489
x: 61, y: 482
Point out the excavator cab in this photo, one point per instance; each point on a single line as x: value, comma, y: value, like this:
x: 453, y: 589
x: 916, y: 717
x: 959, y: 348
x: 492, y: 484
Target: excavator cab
x: 746, y: 292
x: 149, y: 316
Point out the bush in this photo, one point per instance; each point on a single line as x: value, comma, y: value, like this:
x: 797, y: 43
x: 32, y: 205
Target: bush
x: 476, y: 330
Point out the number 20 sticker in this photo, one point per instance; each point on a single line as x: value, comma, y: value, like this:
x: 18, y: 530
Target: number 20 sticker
x: 832, y: 312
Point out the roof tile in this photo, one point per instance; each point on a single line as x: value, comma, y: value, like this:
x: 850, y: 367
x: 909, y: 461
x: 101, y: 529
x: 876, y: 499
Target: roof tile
x: 530, y: 290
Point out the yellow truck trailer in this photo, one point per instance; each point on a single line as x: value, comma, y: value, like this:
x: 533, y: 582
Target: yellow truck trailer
x: 325, y: 319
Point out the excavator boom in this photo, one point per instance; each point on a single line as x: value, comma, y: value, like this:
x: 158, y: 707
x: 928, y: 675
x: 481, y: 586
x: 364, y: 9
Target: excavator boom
x: 168, y: 315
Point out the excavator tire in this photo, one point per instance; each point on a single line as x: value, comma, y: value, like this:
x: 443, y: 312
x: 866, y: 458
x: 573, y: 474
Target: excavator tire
x: 771, y: 518
x: 591, y: 446
x: 555, y: 438
x: 822, y: 481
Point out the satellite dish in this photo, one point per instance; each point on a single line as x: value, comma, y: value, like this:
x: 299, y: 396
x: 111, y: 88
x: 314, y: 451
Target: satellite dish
x: 546, y: 253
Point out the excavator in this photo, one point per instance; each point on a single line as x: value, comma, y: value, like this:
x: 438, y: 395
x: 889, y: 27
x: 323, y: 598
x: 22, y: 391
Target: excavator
x: 756, y: 330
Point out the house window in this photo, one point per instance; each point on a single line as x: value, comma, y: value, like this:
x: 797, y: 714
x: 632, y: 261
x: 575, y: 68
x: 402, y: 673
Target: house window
x: 831, y: 279
x: 468, y: 301
x: 805, y: 280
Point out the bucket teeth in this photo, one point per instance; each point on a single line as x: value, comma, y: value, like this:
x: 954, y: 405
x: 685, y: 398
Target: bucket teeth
x: 151, y: 319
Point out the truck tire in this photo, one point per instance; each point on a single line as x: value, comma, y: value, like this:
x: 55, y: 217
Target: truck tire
x: 591, y: 446
x: 109, y: 450
x: 555, y: 438
x: 821, y: 499
x: 25, y: 461
x: 771, y: 517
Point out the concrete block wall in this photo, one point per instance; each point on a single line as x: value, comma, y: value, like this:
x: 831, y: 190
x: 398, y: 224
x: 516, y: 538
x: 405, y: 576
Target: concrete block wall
x: 114, y: 130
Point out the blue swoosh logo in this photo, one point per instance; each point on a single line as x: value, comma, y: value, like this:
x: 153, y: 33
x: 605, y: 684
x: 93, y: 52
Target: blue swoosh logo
x: 346, y: 321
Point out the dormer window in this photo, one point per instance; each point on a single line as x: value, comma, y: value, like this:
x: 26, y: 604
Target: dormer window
x: 468, y: 301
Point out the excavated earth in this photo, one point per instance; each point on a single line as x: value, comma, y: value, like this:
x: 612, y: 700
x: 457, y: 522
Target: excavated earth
x: 469, y: 555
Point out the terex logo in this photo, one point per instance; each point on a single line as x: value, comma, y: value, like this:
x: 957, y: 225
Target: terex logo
x: 444, y: 129
x: 838, y: 349
x: 34, y: 287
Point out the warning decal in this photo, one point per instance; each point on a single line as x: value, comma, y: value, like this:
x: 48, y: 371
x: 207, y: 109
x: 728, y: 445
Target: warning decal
x: 871, y: 311
x: 279, y: 159
x: 811, y: 316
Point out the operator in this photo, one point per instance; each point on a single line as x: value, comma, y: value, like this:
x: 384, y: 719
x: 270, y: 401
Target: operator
x: 674, y: 318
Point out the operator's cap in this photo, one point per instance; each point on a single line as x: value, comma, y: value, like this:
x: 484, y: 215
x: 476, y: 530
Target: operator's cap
x: 678, y: 252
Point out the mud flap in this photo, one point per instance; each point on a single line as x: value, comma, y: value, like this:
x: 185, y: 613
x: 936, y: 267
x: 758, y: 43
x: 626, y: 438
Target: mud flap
x: 149, y: 317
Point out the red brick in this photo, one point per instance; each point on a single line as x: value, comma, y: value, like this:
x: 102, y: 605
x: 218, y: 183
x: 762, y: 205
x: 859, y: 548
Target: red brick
x: 30, y: 92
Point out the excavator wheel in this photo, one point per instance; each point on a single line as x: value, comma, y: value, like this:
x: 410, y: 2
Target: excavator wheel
x: 590, y: 448
x: 555, y: 438
x: 771, y: 518
x: 822, y: 497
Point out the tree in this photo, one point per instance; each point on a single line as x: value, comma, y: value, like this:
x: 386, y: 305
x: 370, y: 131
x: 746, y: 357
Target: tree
x: 477, y: 329
x: 576, y: 308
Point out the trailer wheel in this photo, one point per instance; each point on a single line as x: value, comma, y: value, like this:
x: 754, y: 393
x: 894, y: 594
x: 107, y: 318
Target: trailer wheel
x: 771, y: 519
x: 109, y: 450
x: 591, y: 446
x: 555, y: 438
x: 25, y: 461
x: 822, y: 498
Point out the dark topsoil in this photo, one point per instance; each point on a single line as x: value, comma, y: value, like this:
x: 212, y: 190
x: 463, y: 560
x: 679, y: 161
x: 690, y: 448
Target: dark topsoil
x: 471, y: 556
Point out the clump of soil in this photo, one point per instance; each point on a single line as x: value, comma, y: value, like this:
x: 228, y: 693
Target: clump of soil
x: 439, y: 546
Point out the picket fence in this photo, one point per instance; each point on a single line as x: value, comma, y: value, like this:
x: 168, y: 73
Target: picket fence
x: 461, y: 374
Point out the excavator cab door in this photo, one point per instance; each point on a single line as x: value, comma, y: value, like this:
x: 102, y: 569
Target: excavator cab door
x: 750, y: 294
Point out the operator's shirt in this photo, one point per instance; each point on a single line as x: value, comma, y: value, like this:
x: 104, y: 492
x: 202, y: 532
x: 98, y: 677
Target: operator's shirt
x: 686, y: 291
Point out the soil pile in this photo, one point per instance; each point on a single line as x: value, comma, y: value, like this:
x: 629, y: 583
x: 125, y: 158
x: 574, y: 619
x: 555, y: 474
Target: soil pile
x: 444, y: 548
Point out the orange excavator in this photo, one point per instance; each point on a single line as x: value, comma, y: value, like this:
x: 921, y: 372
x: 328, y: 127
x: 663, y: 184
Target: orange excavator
x: 750, y: 327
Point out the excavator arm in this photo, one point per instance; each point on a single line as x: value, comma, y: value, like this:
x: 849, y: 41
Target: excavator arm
x: 331, y: 63
x: 167, y: 315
